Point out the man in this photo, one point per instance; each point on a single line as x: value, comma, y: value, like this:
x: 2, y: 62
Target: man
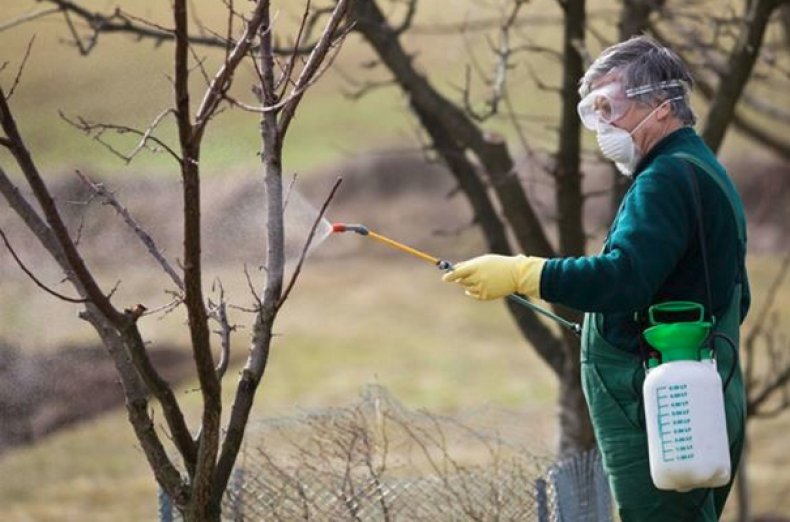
x: 679, y: 235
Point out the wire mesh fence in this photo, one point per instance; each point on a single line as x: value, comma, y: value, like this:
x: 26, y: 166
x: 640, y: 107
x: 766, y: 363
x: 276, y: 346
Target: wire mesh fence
x: 378, y: 461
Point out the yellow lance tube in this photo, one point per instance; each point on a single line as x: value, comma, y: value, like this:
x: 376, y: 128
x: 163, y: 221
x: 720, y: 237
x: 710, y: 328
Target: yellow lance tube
x: 404, y: 248
x: 362, y: 230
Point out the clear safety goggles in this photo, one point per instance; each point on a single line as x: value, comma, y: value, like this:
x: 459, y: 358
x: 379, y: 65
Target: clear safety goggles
x: 604, y: 104
x: 609, y: 102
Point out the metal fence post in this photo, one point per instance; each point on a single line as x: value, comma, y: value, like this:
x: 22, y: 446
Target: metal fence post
x: 581, y: 489
x: 542, y: 499
x: 236, y: 494
x: 165, y: 506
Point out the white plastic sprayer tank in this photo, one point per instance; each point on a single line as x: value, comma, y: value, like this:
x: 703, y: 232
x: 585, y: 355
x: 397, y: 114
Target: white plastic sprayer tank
x: 684, y: 411
x: 686, y: 426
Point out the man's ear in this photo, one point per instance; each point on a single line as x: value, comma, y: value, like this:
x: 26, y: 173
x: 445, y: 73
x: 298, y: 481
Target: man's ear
x: 664, y: 111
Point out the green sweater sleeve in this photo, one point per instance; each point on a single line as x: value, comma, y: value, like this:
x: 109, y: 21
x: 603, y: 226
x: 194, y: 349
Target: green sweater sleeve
x: 647, y: 239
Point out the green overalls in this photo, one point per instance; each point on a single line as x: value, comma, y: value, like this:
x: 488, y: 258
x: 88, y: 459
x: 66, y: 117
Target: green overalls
x: 651, y: 256
x: 612, y: 382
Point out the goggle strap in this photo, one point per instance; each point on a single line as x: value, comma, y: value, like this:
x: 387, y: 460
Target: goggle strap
x: 636, y: 91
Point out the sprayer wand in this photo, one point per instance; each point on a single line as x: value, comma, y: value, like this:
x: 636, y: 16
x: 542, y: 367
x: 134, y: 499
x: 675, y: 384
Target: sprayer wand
x: 444, y: 265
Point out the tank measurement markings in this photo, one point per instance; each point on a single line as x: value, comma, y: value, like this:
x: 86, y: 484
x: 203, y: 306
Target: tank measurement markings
x: 674, y: 422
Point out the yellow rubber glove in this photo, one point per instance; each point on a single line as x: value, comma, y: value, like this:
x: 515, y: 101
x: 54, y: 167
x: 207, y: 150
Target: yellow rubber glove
x: 493, y: 276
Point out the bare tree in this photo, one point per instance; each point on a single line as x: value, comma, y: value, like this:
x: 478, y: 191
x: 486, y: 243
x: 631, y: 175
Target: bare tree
x: 738, y: 66
x: 207, y: 453
x: 484, y: 165
x: 484, y: 168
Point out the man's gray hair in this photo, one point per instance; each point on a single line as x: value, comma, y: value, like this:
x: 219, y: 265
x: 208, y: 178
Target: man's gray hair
x: 651, y: 71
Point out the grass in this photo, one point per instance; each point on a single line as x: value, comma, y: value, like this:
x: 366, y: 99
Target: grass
x: 386, y: 322
x: 352, y: 321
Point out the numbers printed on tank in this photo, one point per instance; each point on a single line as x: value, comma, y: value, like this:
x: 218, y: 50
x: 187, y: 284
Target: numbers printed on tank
x: 674, y: 422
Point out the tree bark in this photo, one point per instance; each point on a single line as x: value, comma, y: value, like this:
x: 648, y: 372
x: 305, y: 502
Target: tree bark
x: 568, y: 176
x: 634, y: 20
x: 454, y: 136
x: 739, y: 69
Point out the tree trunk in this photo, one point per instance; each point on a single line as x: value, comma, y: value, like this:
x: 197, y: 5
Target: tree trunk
x: 634, y: 20
x: 742, y: 485
x: 739, y: 70
x: 194, y: 513
x: 576, y: 432
x: 490, y: 183
x: 568, y: 176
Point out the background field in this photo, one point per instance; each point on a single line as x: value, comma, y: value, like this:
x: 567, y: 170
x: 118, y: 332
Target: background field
x: 360, y: 315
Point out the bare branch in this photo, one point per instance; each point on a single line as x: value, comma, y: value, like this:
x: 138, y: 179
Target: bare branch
x: 408, y: 19
x: 313, y: 65
x: 109, y: 198
x: 97, y: 130
x: 32, y: 276
x: 308, y: 242
x: 118, y: 332
x: 222, y: 80
x: 761, y: 390
x: 29, y: 17
x: 84, y: 49
x: 289, y: 68
x: 31, y: 173
x: 360, y: 89
x: 200, y: 336
x: 218, y: 312
x: 122, y: 22
x: 21, y: 68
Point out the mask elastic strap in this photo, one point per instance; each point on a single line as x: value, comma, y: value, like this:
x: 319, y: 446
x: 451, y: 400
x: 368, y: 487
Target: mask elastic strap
x: 653, y: 112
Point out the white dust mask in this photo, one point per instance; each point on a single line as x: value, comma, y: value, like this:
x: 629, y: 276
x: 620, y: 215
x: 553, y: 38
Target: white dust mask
x: 618, y: 144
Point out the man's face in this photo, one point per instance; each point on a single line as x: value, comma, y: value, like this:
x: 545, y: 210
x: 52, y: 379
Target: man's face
x: 625, y: 113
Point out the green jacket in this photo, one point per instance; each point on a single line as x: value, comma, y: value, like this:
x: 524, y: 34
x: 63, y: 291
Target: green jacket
x: 652, y: 252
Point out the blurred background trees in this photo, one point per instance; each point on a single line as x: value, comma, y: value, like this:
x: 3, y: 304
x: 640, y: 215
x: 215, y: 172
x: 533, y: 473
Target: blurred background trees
x: 491, y: 87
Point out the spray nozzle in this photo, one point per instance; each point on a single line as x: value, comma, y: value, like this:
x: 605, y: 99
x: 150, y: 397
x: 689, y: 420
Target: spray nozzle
x: 362, y: 230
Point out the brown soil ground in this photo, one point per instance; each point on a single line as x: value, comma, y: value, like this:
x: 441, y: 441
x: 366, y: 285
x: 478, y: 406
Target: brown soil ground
x: 43, y: 392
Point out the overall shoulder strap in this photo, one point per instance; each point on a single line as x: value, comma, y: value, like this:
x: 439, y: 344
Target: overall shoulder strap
x: 740, y: 225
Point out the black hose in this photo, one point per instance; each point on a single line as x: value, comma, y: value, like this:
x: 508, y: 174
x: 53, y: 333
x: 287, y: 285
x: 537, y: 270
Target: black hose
x: 731, y: 344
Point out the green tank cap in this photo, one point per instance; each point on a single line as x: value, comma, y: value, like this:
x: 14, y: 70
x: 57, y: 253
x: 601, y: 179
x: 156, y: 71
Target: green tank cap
x: 678, y: 341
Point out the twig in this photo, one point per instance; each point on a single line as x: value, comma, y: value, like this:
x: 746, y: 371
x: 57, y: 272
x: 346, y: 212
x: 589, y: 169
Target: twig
x: 408, y: 18
x: 289, y: 68
x: 33, y: 277
x: 110, y: 199
x: 252, y: 289
x: 218, y: 312
x: 29, y: 17
x: 97, y: 130
x: 313, y: 65
x: 220, y: 84
x: 166, y: 308
x: 21, y: 68
x: 53, y: 218
x: 360, y: 89
x: 307, y: 244
x: 83, y: 49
